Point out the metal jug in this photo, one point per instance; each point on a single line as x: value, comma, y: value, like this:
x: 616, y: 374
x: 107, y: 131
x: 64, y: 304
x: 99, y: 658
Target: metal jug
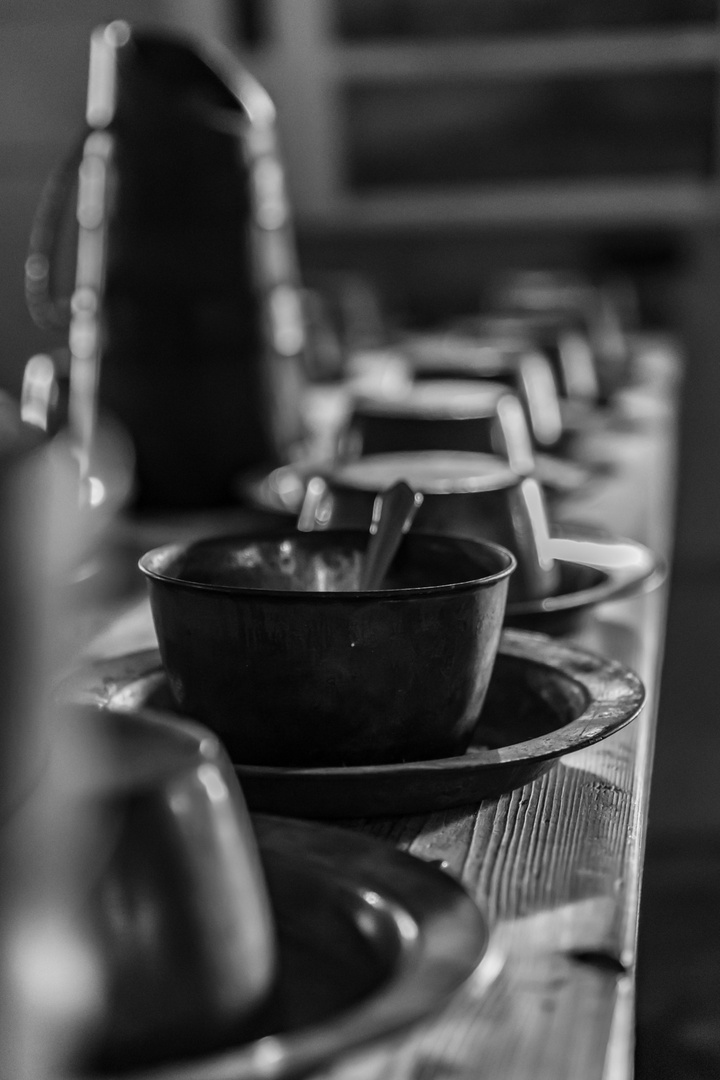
x: 186, y: 319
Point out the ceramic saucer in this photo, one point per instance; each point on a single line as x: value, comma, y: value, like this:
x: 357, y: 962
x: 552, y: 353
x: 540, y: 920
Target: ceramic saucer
x: 546, y: 699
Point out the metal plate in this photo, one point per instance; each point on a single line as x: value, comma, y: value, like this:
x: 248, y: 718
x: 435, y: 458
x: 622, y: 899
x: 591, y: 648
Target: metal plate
x: 546, y: 699
x: 594, y: 568
x: 371, y: 940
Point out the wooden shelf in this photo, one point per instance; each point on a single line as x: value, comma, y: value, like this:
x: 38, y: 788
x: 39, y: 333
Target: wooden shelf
x: 531, y: 57
x: 557, y: 863
x: 306, y: 69
x: 651, y: 202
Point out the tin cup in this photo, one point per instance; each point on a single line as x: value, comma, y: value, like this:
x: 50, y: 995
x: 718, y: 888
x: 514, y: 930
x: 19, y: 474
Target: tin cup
x: 513, y: 360
x: 560, y: 336
x: 441, y: 414
x: 465, y: 495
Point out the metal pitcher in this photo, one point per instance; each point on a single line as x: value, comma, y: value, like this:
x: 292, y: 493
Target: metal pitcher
x: 186, y: 320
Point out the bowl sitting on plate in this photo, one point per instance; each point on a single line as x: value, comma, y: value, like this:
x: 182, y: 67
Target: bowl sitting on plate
x: 268, y: 640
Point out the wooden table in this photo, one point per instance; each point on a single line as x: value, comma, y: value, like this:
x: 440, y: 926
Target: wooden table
x: 556, y: 864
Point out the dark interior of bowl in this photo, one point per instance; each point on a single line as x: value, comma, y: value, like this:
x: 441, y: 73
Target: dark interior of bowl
x: 524, y: 701
x: 327, y: 562
x: 581, y: 589
x: 335, y: 948
x: 575, y: 579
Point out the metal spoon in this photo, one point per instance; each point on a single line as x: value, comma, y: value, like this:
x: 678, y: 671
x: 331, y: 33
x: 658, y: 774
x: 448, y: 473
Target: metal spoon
x: 393, y: 514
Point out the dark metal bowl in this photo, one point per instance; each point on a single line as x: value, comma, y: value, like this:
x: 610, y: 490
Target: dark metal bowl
x: 289, y: 675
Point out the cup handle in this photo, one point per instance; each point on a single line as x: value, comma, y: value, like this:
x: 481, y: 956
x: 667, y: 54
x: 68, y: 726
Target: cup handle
x: 516, y: 435
x: 578, y: 367
x: 546, y: 569
x: 541, y: 395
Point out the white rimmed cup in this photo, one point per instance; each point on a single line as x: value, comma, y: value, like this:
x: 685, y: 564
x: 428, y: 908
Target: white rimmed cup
x: 514, y: 360
x: 441, y: 414
x: 465, y: 494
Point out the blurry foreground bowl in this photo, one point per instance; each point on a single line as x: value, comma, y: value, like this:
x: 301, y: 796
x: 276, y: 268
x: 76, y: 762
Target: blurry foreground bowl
x: 176, y: 910
x: 267, y: 640
x: 465, y: 494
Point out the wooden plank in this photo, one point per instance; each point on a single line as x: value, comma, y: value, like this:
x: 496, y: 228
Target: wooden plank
x: 530, y: 57
x: 681, y: 201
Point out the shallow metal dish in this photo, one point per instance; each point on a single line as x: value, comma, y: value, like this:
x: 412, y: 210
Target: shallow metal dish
x: 371, y: 941
x: 594, y: 569
x: 546, y: 699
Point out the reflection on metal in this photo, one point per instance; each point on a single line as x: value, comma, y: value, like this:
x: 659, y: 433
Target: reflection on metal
x: 39, y: 395
x: 102, y: 78
x: 537, y: 514
x: 541, y: 395
x: 516, y: 435
x: 286, y: 319
x: 604, y: 554
x: 85, y: 332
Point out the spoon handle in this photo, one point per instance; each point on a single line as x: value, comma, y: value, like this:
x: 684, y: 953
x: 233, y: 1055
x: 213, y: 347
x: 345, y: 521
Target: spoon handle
x: 393, y: 515
x: 314, y: 494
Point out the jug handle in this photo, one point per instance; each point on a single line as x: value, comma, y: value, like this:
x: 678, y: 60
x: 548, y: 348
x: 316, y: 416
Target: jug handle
x: 47, y: 310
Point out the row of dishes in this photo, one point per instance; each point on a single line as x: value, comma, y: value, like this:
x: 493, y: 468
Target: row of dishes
x: 326, y: 700
x: 487, y: 417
